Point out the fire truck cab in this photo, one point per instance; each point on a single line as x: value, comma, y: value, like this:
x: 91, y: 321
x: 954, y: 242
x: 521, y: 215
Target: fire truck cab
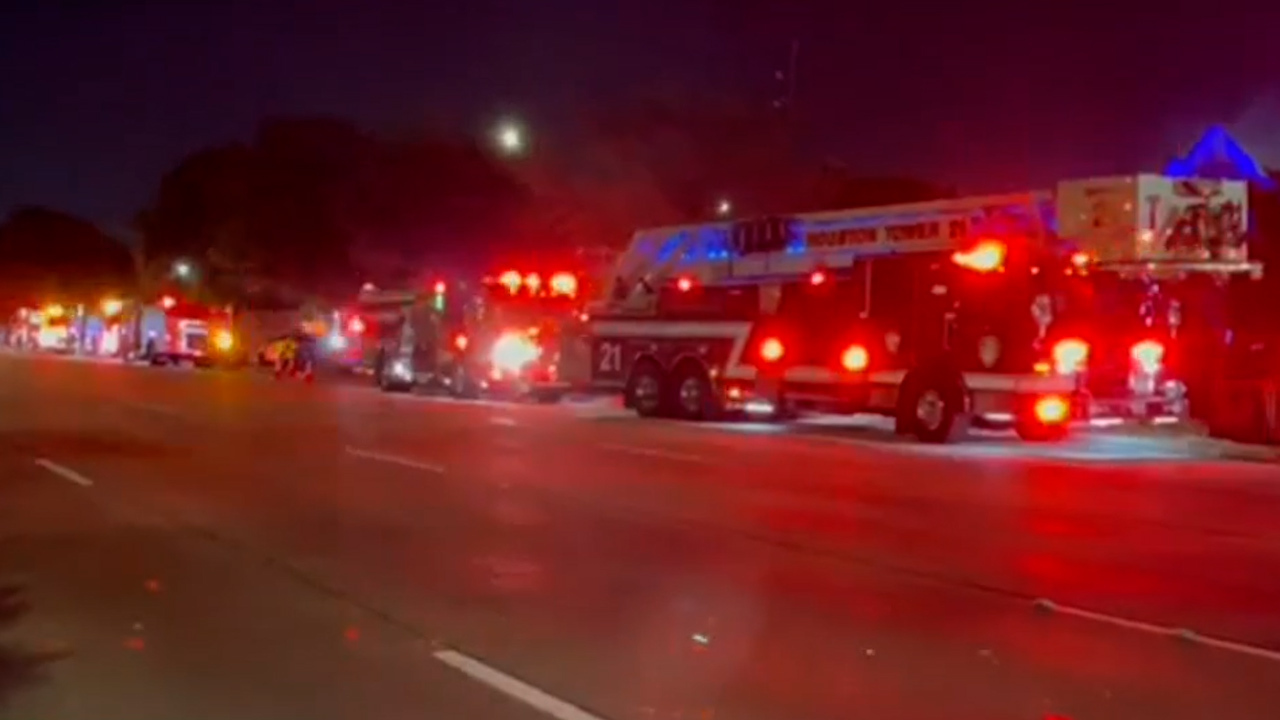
x: 1029, y: 311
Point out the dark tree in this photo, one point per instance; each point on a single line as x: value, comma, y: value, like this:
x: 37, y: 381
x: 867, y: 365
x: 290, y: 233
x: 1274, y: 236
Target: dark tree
x: 835, y: 188
x: 316, y: 206
x: 47, y: 254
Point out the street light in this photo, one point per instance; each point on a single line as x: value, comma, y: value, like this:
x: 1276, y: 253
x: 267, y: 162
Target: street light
x: 182, y: 269
x: 510, y: 138
x: 724, y: 207
x: 112, y: 307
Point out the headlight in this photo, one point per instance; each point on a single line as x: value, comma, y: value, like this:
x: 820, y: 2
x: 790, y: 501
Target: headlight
x: 224, y: 340
x: 512, y: 351
x: 400, y: 369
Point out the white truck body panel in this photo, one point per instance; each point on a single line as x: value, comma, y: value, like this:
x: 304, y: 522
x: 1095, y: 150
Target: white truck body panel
x: 1138, y: 219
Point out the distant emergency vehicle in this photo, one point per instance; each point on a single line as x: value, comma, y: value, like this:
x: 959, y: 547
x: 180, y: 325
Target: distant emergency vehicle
x: 1027, y: 311
x: 178, y: 331
x: 502, y: 335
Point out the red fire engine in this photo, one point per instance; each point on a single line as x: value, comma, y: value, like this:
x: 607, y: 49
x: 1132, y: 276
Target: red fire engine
x: 503, y: 336
x: 177, y: 331
x: 1026, y: 311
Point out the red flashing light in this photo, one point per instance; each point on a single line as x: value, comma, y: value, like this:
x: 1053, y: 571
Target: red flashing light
x: 564, y: 283
x: 511, y: 280
x: 817, y: 277
x: 986, y: 256
x: 1149, y: 355
x: 355, y: 326
x: 684, y: 284
x: 168, y: 302
x: 439, y: 287
x: 855, y: 358
x: 460, y: 341
x: 533, y: 281
x: 1070, y: 356
x: 1052, y: 410
x: 772, y: 350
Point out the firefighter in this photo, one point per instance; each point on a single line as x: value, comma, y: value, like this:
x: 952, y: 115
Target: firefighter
x: 286, y: 358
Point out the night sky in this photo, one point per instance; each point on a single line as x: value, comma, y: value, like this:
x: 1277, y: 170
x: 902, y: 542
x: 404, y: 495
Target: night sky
x: 100, y: 98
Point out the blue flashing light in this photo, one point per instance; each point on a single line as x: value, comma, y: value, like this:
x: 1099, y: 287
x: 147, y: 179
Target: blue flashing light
x: 1218, y: 155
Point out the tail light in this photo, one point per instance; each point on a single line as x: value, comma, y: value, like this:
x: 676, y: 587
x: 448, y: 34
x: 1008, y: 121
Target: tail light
x: 1148, y: 356
x: 1070, y: 356
x: 684, y: 284
x: 772, y: 350
x: 817, y: 277
x: 855, y: 358
x: 1052, y: 410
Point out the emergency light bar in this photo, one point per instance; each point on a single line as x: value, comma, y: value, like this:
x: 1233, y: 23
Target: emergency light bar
x: 560, y: 284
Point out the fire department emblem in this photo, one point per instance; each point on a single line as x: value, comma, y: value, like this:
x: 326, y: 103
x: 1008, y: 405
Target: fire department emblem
x: 989, y: 350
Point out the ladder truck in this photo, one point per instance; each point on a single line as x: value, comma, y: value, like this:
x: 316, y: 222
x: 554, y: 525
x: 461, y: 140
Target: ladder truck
x: 1033, y: 311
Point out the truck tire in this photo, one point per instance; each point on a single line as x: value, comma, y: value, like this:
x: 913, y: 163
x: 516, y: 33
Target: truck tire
x: 933, y: 406
x: 691, y: 396
x: 644, y: 392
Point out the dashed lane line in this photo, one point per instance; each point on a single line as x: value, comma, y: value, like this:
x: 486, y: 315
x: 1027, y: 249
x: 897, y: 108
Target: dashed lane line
x: 513, y: 687
x: 654, y: 452
x: 395, y: 460
x: 64, y: 472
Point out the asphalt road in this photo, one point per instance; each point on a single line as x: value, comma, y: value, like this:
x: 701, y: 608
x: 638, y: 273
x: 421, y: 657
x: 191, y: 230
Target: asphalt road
x: 221, y: 545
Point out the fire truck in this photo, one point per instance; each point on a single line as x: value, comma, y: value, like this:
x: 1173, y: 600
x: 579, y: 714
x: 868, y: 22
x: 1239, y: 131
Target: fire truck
x: 178, y: 331
x: 502, y: 336
x: 1029, y: 311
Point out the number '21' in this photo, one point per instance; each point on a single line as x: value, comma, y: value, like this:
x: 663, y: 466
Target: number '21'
x: 610, y: 357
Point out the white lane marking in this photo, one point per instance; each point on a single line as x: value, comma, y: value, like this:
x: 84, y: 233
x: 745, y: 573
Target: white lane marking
x: 513, y: 687
x: 653, y: 452
x: 503, y: 420
x: 1164, y: 630
x: 64, y: 472
x: 395, y: 460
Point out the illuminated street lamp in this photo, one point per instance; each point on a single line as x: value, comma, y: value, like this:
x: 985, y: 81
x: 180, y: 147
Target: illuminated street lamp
x: 183, y: 269
x: 112, y: 307
x: 510, y: 138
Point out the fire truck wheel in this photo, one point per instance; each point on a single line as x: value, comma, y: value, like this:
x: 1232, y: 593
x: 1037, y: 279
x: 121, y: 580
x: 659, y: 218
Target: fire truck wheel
x: 644, y: 389
x: 932, y: 406
x: 692, y: 397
